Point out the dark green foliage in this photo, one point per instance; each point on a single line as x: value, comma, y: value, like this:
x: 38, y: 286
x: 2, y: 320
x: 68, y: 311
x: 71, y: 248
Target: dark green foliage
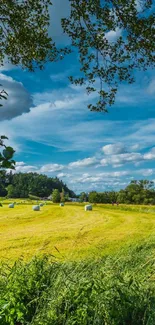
x: 107, y: 63
x: 24, y: 35
x: 32, y: 185
x: 6, y: 154
x: 137, y: 192
x: 113, y: 290
x: 83, y: 197
x: 105, y: 197
x: 25, y: 41
x: 56, y: 196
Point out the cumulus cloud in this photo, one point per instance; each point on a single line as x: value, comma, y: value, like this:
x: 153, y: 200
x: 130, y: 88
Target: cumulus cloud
x: 21, y: 167
x: 63, y: 175
x: 112, y: 35
x: 83, y: 163
x: 20, y: 163
x: 50, y: 168
x: 19, y: 100
x: 113, y: 149
x: 109, y: 177
x: 121, y: 159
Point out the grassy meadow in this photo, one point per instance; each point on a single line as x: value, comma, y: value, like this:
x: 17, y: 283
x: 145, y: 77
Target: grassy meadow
x: 69, y: 232
x: 71, y: 267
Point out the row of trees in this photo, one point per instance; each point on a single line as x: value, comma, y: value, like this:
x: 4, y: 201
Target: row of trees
x: 137, y: 192
x: 24, y: 185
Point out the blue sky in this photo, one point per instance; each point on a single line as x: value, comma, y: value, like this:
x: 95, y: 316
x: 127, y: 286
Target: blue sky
x: 49, y: 125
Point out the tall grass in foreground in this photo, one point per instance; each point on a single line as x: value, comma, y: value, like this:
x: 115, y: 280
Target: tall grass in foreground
x: 113, y: 290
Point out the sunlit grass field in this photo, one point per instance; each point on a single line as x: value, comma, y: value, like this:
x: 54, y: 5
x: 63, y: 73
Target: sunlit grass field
x: 69, y: 232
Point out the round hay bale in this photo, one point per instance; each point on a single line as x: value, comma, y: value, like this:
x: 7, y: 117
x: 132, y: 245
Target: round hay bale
x: 1, y: 205
x: 61, y: 204
x: 88, y: 207
x: 41, y: 204
x: 36, y: 208
x: 11, y: 205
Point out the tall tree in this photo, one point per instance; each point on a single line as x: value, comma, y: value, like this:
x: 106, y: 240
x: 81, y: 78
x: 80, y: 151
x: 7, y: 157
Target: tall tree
x: 56, y: 196
x: 83, y: 197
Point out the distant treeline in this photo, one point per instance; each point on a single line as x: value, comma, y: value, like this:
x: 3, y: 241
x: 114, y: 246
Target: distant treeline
x: 24, y: 185
x: 137, y: 192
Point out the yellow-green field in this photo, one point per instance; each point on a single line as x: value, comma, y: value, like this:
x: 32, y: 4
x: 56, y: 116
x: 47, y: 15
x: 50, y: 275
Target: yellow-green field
x: 69, y: 232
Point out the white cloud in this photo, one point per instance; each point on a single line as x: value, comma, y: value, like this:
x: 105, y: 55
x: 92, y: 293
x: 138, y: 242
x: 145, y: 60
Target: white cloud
x: 112, y: 149
x: 113, y: 35
x: 50, y: 168
x: 134, y: 147
x: 121, y: 159
x: 26, y: 169
x: 19, y: 100
x: 106, y: 177
x: 7, y: 66
x: 20, y: 163
x: 146, y: 172
x: 21, y: 167
x: 64, y: 122
x: 63, y: 175
x: 73, y: 129
x: 65, y: 130
x: 83, y: 163
x: 118, y: 160
x: 150, y: 155
x: 142, y: 132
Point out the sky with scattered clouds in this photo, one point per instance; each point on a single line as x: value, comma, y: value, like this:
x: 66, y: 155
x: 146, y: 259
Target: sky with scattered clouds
x: 50, y: 127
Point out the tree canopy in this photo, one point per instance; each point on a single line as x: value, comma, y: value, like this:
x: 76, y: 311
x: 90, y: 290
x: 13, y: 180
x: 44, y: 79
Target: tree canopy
x: 29, y: 185
x: 56, y: 196
x: 137, y: 192
x: 104, y: 63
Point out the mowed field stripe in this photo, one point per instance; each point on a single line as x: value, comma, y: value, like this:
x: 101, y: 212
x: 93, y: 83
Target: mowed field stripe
x: 70, y: 230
